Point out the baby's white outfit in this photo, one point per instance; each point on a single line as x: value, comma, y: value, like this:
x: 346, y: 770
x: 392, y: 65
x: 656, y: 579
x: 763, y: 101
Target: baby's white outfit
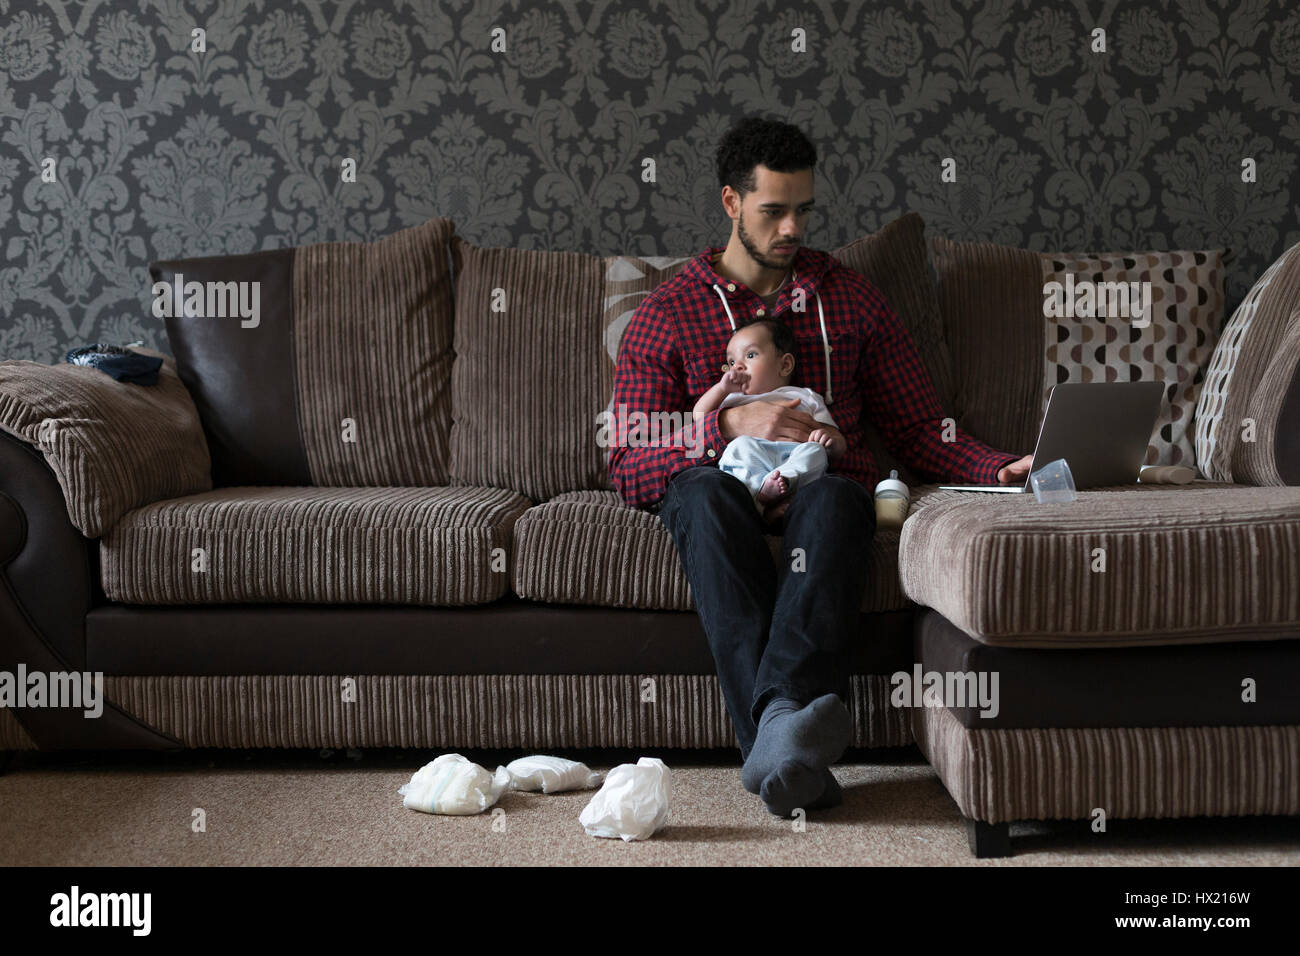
x: 752, y: 459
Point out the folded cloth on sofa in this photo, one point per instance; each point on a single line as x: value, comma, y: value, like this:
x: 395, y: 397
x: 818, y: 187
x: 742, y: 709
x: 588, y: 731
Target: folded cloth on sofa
x: 112, y: 446
x: 119, y: 363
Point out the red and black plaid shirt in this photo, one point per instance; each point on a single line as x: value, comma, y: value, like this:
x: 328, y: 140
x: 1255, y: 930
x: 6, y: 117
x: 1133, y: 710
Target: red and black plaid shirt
x: 676, y: 343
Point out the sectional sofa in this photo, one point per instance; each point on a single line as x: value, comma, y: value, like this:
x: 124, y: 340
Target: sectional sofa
x: 378, y: 515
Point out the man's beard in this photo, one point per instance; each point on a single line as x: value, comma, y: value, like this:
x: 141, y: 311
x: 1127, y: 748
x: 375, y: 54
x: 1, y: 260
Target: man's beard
x: 754, y: 253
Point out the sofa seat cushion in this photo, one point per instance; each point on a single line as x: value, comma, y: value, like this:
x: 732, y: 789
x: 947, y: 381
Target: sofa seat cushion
x: 427, y: 546
x: 587, y: 547
x: 1124, y: 566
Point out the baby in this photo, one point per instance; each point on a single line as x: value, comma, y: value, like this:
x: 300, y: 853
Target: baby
x: 760, y: 360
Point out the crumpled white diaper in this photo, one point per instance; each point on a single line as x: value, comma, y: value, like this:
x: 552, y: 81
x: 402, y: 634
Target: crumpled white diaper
x: 633, y: 803
x: 550, y: 774
x: 455, y: 785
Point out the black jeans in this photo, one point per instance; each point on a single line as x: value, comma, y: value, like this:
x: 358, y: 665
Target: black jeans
x: 780, y: 629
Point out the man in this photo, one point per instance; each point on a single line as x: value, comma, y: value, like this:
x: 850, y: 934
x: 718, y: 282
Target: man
x: 780, y: 634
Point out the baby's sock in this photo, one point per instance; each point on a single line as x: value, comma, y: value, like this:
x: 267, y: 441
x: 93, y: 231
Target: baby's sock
x: 800, y: 742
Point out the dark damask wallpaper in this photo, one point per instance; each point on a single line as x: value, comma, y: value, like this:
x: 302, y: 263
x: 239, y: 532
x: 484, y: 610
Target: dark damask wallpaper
x: 164, y: 152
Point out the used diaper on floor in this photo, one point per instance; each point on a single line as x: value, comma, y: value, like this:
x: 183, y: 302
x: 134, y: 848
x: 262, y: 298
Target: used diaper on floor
x: 454, y: 785
x: 633, y: 803
x: 550, y: 774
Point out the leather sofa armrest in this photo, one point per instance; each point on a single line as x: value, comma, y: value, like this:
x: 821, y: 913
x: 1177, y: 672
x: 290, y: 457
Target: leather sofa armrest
x: 48, y: 583
x: 47, y: 569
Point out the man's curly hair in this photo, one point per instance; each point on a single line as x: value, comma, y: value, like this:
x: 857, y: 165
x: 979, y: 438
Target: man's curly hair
x: 780, y: 147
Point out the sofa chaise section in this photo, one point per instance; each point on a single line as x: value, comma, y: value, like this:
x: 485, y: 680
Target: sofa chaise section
x: 1132, y: 565
x: 1139, y: 646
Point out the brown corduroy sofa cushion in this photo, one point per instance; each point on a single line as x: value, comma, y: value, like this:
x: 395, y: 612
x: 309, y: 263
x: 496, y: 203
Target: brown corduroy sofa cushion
x: 1007, y: 353
x: 1182, y: 564
x: 1250, y: 377
x: 1273, y: 457
x: 348, y: 364
x: 428, y: 546
x: 112, y: 445
x: 373, y: 345
x: 525, y: 384
x: 895, y: 259
x: 587, y: 547
x: 536, y: 337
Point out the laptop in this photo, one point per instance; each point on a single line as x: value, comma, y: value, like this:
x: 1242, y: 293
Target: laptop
x: 1101, y: 429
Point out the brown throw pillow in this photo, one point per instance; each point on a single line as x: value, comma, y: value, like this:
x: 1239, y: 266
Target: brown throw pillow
x: 1007, y: 352
x: 1273, y: 456
x: 113, y: 446
x: 343, y: 379
x: 897, y: 263
x: 1246, y: 399
x: 537, y: 335
x: 895, y: 260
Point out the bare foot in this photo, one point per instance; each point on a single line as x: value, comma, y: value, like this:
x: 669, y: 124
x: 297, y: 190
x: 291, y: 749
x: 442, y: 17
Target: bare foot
x: 775, y: 487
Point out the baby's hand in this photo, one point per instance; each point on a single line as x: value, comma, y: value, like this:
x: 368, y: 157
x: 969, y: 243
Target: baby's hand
x: 734, y: 380
x: 830, y: 439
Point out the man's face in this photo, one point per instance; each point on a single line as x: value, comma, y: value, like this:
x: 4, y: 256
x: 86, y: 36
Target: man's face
x: 770, y: 220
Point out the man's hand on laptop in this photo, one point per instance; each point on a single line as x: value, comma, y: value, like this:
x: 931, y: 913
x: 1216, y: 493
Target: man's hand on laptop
x: 775, y: 421
x: 1016, y: 472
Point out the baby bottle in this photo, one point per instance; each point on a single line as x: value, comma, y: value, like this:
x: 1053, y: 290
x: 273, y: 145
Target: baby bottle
x: 892, y: 501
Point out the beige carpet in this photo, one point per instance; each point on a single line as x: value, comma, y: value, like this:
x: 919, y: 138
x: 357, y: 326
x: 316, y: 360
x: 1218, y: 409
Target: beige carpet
x: 296, y: 807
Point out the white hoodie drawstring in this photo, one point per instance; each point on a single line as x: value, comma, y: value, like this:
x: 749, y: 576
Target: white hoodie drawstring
x: 731, y: 318
x: 821, y: 318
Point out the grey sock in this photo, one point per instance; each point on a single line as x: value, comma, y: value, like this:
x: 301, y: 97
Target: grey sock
x: 799, y: 742
x: 790, y: 787
x: 832, y: 795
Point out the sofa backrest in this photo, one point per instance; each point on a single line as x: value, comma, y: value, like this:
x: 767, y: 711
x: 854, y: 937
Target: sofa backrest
x: 537, y: 337
x: 342, y: 378
x: 1018, y: 322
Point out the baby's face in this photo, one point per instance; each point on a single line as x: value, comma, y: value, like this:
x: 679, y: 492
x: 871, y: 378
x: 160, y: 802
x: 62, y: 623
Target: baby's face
x: 751, y: 350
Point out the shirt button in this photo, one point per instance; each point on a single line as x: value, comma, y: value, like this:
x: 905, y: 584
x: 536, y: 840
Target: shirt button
x: 761, y: 312
x: 711, y: 453
x: 731, y: 287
